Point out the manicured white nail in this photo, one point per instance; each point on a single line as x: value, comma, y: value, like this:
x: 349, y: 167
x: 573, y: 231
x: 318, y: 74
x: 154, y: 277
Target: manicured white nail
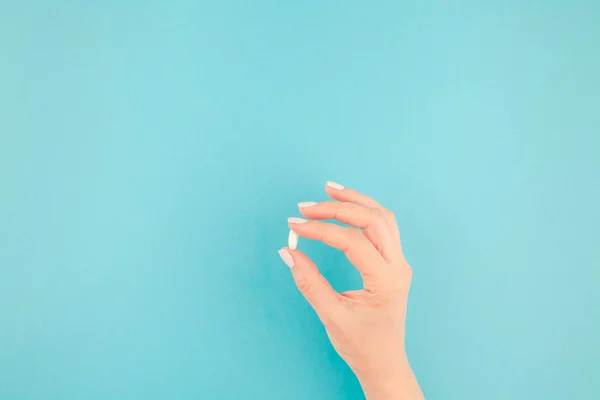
x: 294, y: 220
x: 307, y: 204
x: 334, y: 185
x: 287, y: 258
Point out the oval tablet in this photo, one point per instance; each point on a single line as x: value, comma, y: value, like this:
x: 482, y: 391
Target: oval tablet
x: 293, y: 240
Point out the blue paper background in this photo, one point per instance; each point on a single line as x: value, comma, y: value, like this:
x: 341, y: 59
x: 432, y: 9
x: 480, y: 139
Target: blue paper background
x: 151, y: 151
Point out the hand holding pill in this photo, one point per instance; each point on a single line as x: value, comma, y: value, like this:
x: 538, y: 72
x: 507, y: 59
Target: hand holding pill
x: 366, y: 327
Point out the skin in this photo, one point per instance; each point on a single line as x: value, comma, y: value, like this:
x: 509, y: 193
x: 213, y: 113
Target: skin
x: 366, y: 327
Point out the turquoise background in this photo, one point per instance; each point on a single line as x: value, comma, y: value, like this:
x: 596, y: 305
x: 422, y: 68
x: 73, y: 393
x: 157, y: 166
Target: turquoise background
x: 151, y: 151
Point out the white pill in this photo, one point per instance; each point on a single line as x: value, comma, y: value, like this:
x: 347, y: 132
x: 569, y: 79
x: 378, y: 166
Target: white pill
x: 293, y: 240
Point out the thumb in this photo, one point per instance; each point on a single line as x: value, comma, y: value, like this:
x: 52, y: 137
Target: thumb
x: 315, y: 288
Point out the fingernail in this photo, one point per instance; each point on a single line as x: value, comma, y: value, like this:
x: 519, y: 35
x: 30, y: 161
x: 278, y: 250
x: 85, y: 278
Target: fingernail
x: 287, y: 258
x: 294, y: 220
x: 334, y: 185
x: 307, y: 204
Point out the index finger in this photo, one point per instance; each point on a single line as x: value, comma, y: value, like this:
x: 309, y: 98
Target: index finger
x: 358, y: 249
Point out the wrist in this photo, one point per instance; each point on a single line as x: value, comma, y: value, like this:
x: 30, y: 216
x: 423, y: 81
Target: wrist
x: 384, y: 367
x: 395, y: 381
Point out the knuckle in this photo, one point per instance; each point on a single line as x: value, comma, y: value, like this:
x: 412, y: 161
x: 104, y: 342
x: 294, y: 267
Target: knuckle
x: 304, y: 286
x: 355, y: 236
x: 390, y: 214
x: 379, y: 216
x: 355, y: 243
x: 379, y: 219
x: 377, y: 212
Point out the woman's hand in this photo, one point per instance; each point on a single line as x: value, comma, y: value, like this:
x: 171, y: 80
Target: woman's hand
x: 366, y: 327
